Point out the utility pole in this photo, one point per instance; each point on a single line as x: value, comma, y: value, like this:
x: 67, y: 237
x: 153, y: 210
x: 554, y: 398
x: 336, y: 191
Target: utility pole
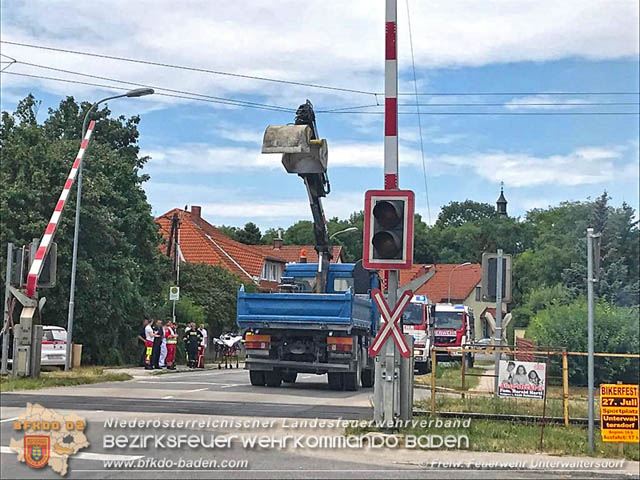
x: 590, y: 373
x: 387, y: 382
x: 497, y: 340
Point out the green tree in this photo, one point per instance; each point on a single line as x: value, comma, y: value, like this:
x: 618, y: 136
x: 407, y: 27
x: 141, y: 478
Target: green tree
x: 120, y: 268
x: 300, y: 233
x: 215, y: 290
x: 229, y: 231
x: 455, y: 214
x: 250, y: 234
x: 615, y: 331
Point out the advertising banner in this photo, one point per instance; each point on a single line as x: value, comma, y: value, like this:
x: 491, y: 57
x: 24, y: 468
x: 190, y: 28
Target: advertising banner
x: 522, y: 379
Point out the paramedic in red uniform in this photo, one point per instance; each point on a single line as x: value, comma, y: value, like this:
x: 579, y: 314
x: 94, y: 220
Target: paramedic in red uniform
x: 172, y: 338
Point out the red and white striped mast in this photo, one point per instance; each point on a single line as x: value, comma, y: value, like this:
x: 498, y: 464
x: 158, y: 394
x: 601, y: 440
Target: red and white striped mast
x: 391, y: 97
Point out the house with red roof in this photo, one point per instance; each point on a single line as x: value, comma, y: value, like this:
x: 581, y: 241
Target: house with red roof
x: 201, y: 242
x: 457, y: 284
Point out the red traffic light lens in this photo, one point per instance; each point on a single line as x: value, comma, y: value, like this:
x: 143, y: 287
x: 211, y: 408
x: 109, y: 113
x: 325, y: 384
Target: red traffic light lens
x: 387, y: 214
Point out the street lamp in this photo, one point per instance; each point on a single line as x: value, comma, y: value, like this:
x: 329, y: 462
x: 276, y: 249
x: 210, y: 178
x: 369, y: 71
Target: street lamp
x: 451, y: 273
x: 346, y: 230
x: 138, y: 92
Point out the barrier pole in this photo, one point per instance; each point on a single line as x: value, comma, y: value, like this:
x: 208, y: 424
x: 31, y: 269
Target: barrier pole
x: 433, y: 382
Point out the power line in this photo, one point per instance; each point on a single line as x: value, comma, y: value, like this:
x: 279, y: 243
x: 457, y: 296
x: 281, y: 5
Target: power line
x: 182, y: 92
x: 239, y: 103
x: 305, y: 84
x: 193, y: 69
x: 415, y: 85
x: 113, y: 87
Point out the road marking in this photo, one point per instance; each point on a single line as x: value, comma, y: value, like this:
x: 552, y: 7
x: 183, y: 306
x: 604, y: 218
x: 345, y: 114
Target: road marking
x: 167, y: 397
x: 87, y: 456
x: 8, y: 419
x: 233, y: 385
x: 196, y: 390
x: 185, y: 383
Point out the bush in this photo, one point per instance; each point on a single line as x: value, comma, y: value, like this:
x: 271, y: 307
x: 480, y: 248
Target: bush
x: 616, y: 330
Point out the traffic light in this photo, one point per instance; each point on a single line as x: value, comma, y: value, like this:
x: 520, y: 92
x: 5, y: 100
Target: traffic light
x: 388, y: 229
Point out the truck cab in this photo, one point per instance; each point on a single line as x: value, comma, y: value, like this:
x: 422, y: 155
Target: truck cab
x: 415, y: 321
x: 299, y: 331
x: 453, y: 328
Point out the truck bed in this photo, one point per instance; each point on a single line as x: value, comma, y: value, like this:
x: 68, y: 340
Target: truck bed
x: 305, y: 311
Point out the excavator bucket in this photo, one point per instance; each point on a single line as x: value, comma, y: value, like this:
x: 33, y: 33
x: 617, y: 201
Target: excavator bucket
x: 300, y: 154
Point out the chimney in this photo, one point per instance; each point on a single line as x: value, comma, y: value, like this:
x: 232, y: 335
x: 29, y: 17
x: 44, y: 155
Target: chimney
x: 196, y: 210
x: 277, y: 242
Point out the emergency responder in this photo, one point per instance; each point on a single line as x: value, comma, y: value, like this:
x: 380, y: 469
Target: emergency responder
x: 172, y: 337
x: 192, y: 339
x: 148, y: 343
x: 158, y: 335
x: 203, y: 345
x: 142, y: 340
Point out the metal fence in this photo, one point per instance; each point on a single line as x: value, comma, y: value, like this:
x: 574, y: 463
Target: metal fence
x: 563, y: 402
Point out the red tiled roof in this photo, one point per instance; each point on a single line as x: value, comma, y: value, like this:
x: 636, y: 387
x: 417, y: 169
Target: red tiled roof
x: 201, y: 242
x: 291, y: 253
x: 463, y: 280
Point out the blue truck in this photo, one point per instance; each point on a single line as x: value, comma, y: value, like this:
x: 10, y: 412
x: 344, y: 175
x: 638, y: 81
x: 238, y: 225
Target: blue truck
x: 300, y: 331
x: 323, y: 317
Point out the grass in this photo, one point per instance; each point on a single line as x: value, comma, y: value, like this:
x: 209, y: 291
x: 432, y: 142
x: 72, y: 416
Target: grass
x: 77, y: 376
x: 511, y: 437
x: 450, y: 376
x: 508, y: 406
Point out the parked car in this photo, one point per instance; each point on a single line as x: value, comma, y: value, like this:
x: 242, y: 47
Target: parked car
x: 54, y: 345
x: 483, y: 343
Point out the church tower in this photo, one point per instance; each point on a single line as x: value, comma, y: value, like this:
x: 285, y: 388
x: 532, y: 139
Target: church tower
x: 501, y: 203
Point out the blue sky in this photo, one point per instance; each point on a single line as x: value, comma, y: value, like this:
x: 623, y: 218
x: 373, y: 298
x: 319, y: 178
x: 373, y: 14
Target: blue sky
x: 209, y: 154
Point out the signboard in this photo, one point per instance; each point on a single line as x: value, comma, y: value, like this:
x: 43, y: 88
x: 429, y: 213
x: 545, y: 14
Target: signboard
x: 489, y: 274
x: 619, y: 413
x: 522, y: 379
x: 174, y: 293
x: 392, y: 325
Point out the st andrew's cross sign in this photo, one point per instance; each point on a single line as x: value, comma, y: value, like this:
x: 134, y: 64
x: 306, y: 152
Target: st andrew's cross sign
x: 392, y: 323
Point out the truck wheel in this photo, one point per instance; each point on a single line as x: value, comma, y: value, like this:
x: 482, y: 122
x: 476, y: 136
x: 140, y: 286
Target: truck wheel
x: 289, y: 377
x: 335, y: 380
x: 368, y: 377
x: 423, y: 368
x: 273, y: 379
x: 257, y: 378
x: 352, y: 379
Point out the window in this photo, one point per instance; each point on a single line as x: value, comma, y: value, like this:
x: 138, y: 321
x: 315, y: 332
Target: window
x: 449, y: 320
x: 341, y: 285
x: 413, y: 315
x: 271, y: 271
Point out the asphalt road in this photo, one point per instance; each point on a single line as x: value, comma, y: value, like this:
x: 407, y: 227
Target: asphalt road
x: 227, y: 395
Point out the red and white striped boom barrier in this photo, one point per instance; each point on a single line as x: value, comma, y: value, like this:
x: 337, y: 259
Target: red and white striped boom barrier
x: 50, y: 231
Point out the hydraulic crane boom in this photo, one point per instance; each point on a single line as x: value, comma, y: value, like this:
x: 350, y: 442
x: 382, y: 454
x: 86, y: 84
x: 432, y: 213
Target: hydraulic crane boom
x: 306, y: 154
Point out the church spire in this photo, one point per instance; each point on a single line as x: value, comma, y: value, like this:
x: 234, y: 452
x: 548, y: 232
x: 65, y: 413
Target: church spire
x: 501, y: 203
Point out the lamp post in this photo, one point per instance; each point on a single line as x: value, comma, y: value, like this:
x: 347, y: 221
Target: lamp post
x: 346, y: 230
x: 138, y: 92
x: 451, y: 273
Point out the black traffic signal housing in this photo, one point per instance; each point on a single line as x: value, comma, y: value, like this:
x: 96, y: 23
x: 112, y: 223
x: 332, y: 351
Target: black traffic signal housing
x: 388, y: 242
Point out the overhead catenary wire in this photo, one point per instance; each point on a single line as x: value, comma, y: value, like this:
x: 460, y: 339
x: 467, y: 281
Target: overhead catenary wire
x: 242, y: 103
x: 115, y: 87
x: 139, y: 84
x: 415, y: 84
x: 306, y: 84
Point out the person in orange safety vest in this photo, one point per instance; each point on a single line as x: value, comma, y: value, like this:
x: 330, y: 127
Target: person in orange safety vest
x: 172, y: 340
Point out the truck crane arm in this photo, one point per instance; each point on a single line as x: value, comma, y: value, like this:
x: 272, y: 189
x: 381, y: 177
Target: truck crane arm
x: 305, y: 154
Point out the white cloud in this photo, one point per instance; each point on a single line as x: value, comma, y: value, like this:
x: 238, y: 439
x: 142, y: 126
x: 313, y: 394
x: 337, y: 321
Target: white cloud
x: 329, y: 42
x: 544, y: 102
x: 589, y: 165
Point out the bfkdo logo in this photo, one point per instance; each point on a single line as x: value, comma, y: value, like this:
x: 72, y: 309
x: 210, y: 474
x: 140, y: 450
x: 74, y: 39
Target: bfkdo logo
x: 36, y: 450
x: 49, y: 438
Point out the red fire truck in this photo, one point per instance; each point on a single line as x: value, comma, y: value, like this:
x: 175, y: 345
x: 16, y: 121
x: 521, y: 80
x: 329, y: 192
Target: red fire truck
x: 453, y: 328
